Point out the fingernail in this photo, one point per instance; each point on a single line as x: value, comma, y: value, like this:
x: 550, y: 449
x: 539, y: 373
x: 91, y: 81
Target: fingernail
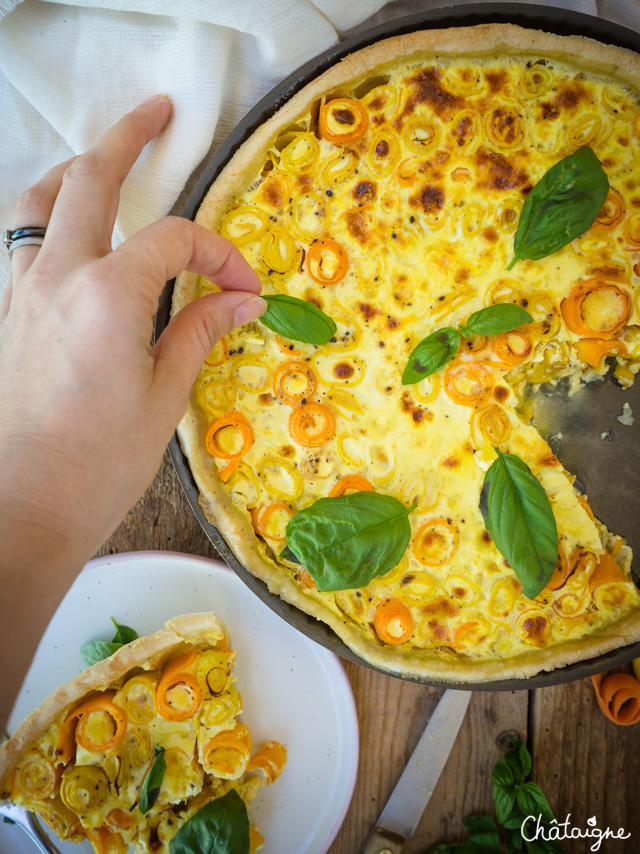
x: 249, y: 310
x: 155, y: 98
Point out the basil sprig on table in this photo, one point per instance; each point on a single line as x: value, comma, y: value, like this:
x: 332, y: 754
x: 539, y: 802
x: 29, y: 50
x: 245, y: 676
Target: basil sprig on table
x: 344, y: 542
x: 562, y: 206
x: 220, y: 827
x: 298, y: 319
x: 515, y: 799
x: 434, y: 351
x: 94, y: 651
x: 152, y: 782
x: 520, y: 521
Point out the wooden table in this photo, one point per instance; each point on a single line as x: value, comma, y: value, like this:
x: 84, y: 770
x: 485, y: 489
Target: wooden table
x: 584, y: 764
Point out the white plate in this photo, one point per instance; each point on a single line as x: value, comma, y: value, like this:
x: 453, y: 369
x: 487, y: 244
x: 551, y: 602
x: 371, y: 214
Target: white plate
x: 293, y: 690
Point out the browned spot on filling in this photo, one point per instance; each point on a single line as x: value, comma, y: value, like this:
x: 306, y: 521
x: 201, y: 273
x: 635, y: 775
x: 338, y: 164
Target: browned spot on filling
x: 358, y: 226
x: 535, y: 628
x: 464, y: 129
x: 429, y: 90
x: 496, y: 80
x: 437, y: 630
x: 501, y: 393
x: 548, y: 459
x: 305, y: 181
x: 273, y: 193
x: 460, y: 592
x: 430, y: 197
x: 461, y: 275
x: 569, y: 96
x: 377, y: 103
x: 504, y: 124
x: 444, y: 605
x: 392, y: 323
x: 497, y: 173
x: 313, y: 298
x: 451, y: 462
x: 549, y: 111
x: 344, y: 116
x: 265, y: 399
x: 368, y: 311
x: 417, y: 415
x: 287, y: 451
x: 486, y: 536
x: 364, y: 191
x: 490, y: 234
x: 343, y: 371
x: 382, y: 148
x: 406, y: 402
x: 407, y: 579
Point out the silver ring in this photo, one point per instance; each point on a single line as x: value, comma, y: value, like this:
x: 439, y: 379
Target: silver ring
x: 26, y: 236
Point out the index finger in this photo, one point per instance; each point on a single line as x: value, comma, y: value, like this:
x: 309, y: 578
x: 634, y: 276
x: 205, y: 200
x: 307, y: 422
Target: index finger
x: 162, y: 250
x: 85, y: 210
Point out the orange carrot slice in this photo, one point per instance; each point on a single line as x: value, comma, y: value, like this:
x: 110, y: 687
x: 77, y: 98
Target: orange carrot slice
x: 231, y: 419
x: 296, y: 369
x: 175, y: 679
x: 312, y: 424
x: 618, y: 696
x: 351, y: 482
x: 615, y: 308
x: 327, y: 262
x: 393, y: 622
x: 342, y: 120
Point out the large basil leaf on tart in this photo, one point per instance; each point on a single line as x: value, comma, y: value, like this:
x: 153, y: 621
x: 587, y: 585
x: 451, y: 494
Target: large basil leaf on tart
x: 388, y: 193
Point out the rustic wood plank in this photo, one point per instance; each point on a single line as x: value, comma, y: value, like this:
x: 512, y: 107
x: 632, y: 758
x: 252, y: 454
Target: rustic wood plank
x: 161, y: 519
x: 392, y: 716
x: 586, y: 765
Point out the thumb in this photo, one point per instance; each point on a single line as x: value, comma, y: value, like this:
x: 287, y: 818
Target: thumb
x: 191, y: 335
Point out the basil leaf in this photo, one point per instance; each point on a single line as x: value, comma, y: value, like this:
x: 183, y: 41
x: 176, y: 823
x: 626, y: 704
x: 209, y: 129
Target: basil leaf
x: 298, y: 319
x: 346, y: 541
x: 514, y: 820
x: 152, y: 782
x: 495, y: 319
x: 482, y: 831
x: 520, y: 521
x: 514, y: 840
x: 524, y: 757
x: 287, y: 554
x: 503, y: 802
x: 123, y: 634
x: 503, y: 775
x: 542, y: 804
x: 220, y: 827
x: 562, y: 205
x: 431, y: 354
x: 94, y: 651
x: 527, y: 802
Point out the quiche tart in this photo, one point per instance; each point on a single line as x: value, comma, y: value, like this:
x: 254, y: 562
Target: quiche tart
x: 144, y: 748
x: 388, y: 193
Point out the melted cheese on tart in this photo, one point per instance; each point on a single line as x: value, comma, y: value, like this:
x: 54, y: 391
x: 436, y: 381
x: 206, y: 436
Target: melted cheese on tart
x: 403, y: 230
x: 90, y: 787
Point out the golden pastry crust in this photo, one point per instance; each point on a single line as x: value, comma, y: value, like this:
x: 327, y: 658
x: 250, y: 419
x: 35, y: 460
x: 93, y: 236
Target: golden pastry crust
x: 505, y: 164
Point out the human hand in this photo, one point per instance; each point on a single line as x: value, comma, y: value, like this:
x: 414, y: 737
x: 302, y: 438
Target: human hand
x: 87, y: 407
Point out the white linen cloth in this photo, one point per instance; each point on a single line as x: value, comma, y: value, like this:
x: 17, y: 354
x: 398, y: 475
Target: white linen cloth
x: 70, y: 69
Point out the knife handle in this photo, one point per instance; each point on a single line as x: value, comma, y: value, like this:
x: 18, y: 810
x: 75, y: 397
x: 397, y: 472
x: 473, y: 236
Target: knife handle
x: 383, y: 841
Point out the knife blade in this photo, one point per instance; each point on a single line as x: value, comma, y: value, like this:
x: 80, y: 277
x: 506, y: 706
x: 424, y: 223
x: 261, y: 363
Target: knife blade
x: 402, y: 812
